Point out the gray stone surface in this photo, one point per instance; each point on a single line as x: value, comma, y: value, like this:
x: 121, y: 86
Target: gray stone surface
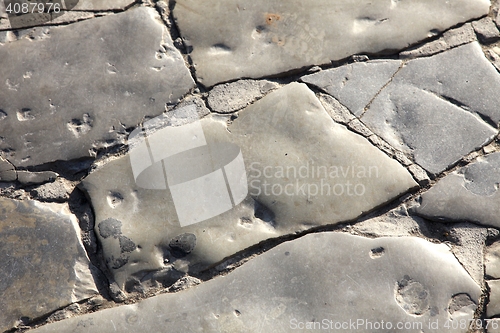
x: 271, y: 140
x: 66, y: 105
x: 7, y: 171
x: 321, y: 277
x: 30, y: 178
x: 355, y: 85
x: 493, y: 55
x: 492, y: 260
x: 99, y: 5
x: 486, y: 30
x: 44, y: 265
x: 450, y: 39
x: 337, y: 111
x: 493, y: 306
x: 230, y: 97
x: 470, y: 194
x: 428, y: 108
x: 242, y: 39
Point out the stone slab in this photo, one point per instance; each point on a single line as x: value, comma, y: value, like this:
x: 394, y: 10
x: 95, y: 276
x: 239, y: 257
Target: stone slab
x: 486, y: 30
x: 493, y: 306
x: 355, y: 85
x: 492, y: 260
x: 238, y: 39
x: 44, y: 264
x: 61, y: 104
x: 360, y: 177
x: 319, y: 279
x: 470, y: 194
x: 429, y: 109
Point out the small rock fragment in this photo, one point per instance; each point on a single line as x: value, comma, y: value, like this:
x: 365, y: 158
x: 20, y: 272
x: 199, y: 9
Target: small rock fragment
x: 30, y: 178
x: 230, y: 97
x: 486, y: 30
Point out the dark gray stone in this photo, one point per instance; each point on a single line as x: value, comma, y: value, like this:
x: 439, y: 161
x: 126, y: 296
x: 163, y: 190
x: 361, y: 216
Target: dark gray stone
x: 43, y: 263
x: 63, y: 104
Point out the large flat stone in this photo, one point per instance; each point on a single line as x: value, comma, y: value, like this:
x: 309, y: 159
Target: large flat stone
x: 327, y: 278
x: 237, y: 38
x: 61, y: 104
x: 355, y: 85
x: 287, y: 130
x: 433, y: 107
x: 44, y: 264
x: 470, y: 194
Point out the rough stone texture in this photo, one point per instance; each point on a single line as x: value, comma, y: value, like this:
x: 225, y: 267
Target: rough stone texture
x: 230, y: 97
x: 269, y: 137
x: 486, y: 30
x: 450, y: 39
x: 337, y: 111
x: 492, y: 260
x: 260, y: 38
x: 470, y: 194
x: 494, y: 56
x: 493, y: 306
x: 328, y: 276
x: 427, y: 109
x: 355, y: 85
x: 44, y: 265
x: 71, y: 104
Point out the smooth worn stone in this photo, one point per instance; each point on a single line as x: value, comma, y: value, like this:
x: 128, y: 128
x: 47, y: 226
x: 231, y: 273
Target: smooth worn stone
x: 450, y: 39
x: 486, y: 30
x: 230, y: 97
x: 355, y: 85
x: 102, y: 4
x: 262, y: 38
x: 470, y: 194
x: 73, y: 105
x: 44, y: 264
x: 428, y: 108
x: 492, y: 261
x: 493, y: 306
x: 302, y: 169
x: 319, y: 279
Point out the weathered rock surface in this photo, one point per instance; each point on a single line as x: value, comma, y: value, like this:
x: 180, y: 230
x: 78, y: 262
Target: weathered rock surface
x: 486, y: 30
x: 493, y: 306
x: 450, y: 39
x: 102, y: 4
x: 240, y: 39
x: 44, y: 265
x: 428, y: 108
x: 492, y: 261
x: 61, y: 104
x: 327, y: 278
x: 230, y: 97
x: 285, y: 132
x: 355, y: 85
x: 471, y: 194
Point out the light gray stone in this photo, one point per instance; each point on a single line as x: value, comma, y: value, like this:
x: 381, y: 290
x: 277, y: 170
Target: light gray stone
x: 288, y: 128
x: 492, y: 261
x: 471, y: 194
x: 320, y: 277
x: 261, y: 38
x: 486, y: 30
x: 355, y: 85
x: 44, y: 265
x: 494, y: 56
x: 450, y: 39
x: 493, y: 306
x: 74, y: 104
x: 427, y: 109
x: 230, y: 97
